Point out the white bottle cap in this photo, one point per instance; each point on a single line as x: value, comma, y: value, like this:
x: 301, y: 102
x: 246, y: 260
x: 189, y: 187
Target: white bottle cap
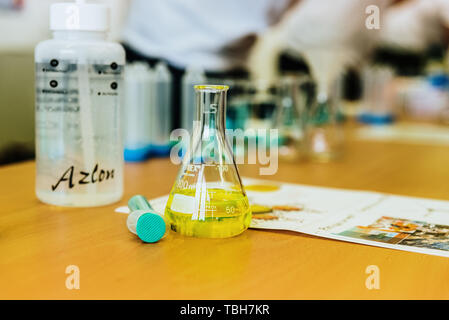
x: 79, y: 16
x: 161, y: 72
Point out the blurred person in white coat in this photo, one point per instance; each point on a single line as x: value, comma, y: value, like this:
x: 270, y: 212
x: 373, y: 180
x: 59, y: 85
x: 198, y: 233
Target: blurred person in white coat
x: 330, y: 35
x: 213, y: 35
x: 334, y: 33
x: 415, y: 24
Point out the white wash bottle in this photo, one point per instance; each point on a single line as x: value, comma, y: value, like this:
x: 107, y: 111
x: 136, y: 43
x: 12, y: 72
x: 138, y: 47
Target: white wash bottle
x: 79, y: 77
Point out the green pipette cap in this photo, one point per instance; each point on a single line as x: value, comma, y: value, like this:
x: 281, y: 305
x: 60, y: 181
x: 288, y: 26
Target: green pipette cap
x: 143, y: 221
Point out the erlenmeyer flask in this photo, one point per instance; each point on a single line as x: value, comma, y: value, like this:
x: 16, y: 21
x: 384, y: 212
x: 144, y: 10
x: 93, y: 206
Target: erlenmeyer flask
x: 207, y: 198
x: 290, y: 117
x: 324, y: 133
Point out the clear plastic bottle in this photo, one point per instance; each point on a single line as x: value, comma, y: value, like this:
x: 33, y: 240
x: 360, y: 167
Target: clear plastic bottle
x: 79, y: 153
x: 137, y: 114
x: 193, y: 76
x: 161, y: 110
x: 208, y: 198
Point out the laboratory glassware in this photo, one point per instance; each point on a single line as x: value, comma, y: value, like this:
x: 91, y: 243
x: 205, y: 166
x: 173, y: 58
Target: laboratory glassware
x: 161, y: 111
x: 290, y: 117
x: 262, y: 118
x: 324, y: 133
x: 251, y: 111
x: 136, y: 112
x: 378, y: 96
x: 208, y: 198
x: 237, y: 110
x: 79, y: 77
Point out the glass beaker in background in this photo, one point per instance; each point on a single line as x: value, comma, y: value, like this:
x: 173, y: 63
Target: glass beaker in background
x: 261, y: 113
x: 378, y: 96
x: 324, y: 133
x: 290, y: 117
x: 250, y: 111
x: 237, y: 112
x: 283, y: 106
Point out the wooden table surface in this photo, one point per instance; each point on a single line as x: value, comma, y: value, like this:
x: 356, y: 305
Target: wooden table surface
x: 38, y: 241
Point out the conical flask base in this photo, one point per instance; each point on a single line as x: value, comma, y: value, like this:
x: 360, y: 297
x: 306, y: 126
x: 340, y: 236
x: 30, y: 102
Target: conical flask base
x: 208, y: 201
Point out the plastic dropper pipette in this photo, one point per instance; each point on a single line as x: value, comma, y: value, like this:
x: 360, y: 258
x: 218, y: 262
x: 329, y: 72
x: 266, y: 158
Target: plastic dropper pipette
x: 143, y: 221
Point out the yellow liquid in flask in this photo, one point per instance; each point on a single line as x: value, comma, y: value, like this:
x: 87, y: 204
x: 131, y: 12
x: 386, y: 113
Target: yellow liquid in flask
x: 222, y: 213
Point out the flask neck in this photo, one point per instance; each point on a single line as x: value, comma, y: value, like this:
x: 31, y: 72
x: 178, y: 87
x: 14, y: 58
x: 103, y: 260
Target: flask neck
x: 80, y: 35
x: 211, y: 111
